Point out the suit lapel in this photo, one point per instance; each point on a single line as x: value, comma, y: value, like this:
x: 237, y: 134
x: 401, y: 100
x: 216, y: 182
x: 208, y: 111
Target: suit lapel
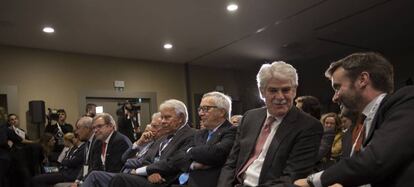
x: 216, y: 135
x: 254, y: 126
x: 175, y: 138
x: 285, y: 127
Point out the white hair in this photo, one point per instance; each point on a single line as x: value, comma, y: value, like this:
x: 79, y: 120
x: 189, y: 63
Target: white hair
x: 278, y: 70
x: 178, y: 106
x: 221, y: 101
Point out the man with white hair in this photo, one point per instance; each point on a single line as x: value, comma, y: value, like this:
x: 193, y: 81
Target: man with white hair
x: 203, y: 160
x: 278, y: 143
x: 174, y: 117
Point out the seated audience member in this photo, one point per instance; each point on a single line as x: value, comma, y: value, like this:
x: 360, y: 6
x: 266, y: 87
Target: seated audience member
x: 203, y: 160
x: 107, y: 150
x: 174, y: 118
x: 276, y: 144
x: 309, y: 104
x: 235, y: 120
x: 59, y: 129
x: 7, y: 138
x: 13, y: 123
x: 331, y: 144
x: 141, y: 146
x: 134, y: 156
x: 111, y: 145
x: 348, y: 119
x: 70, y: 165
x: 49, y: 158
x: 25, y: 154
x: 84, y: 131
x: 365, y: 82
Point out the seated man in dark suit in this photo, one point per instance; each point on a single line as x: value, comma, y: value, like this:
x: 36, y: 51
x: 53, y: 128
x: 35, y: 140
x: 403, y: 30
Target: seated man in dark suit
x: 146, y: 142
x: 111, y: 145
x: 106, y: 150
x: 174, y: 118
x: 364, y: 82
x: 204, y: 159
x: 277, y: 144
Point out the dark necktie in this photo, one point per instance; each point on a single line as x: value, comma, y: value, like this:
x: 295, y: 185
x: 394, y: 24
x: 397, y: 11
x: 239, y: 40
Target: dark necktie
x: 259, y: 146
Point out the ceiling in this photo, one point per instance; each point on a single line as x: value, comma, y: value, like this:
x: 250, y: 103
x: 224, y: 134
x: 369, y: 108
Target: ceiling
x: 203, y: 32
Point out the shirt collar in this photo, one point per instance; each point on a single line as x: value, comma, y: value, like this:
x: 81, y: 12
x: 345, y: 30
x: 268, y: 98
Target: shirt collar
x: 370, y: 106
x: 277, y: 118
x: 109, y: 137
x: 215, y: 129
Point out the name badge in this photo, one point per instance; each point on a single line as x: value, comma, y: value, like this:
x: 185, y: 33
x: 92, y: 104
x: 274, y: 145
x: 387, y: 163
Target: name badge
x: 85, y: 170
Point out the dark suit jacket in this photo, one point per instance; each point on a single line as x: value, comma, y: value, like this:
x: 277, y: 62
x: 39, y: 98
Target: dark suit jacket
x: 165, y: 166
x: 388, y: 157
x: 117, y: 145
x: 72, y: 164
x: 213, y: 153
x: 291, y: 154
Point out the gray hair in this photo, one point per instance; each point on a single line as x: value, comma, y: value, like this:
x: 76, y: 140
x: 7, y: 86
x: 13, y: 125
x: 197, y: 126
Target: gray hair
x: 178, y: 106
x: 108, y: 119
x: 221, y: 101
x: 85, y: 122
x: 278, y: 70
x: 156, y: 115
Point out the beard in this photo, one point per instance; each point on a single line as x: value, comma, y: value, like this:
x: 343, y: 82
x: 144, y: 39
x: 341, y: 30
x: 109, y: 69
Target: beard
x: 351, y: 100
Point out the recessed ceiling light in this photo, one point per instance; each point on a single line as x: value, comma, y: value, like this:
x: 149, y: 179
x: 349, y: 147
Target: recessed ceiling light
x: 232, y: 7
x: 168, y: 46
x: 48, y: 30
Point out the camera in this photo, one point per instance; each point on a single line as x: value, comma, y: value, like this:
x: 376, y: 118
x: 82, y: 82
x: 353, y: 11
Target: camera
x: 130, y: 106
x: 53, y: 114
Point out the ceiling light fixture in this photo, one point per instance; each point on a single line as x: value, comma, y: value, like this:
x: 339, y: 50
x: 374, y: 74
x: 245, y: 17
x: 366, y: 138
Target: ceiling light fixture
x: 48, y: 30
x: 232, y: 7
x: 168, y: 46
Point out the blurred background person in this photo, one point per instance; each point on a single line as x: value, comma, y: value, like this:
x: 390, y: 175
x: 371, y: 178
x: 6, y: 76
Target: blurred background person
x: 70, y: 164
x: 309, y: 104
x: 331, y: 143
x: 58, y: 129
x: 90, y: 110
x: 128, y: 123
x: 235, y: 120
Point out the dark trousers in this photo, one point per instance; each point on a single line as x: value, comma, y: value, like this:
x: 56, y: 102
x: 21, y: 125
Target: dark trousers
x: 128, y: 180
x: 4, y: 169
x: 48, y: 179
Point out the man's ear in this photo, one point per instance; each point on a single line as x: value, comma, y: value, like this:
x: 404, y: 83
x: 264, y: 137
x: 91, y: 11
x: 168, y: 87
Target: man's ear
x: 363, y: 79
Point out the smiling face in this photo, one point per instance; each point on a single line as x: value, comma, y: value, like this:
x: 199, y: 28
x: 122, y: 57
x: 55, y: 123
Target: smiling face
x: 278, y: 95
x: 346, y: 93
x: 210, y: 115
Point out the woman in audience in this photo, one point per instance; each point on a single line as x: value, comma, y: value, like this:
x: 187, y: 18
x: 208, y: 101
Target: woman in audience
x: 330, y: 147
x: 47, y: 142
x: 70, y: 165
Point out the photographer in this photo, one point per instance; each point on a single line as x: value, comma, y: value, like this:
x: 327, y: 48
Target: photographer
x: 128, y: 121
x: 58, y: 129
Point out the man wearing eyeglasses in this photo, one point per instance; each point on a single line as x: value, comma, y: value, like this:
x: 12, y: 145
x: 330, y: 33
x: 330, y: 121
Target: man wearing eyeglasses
x: 111, y: 145
x: 174, y: 117
x: 201, y: 162
x: 278, y: 143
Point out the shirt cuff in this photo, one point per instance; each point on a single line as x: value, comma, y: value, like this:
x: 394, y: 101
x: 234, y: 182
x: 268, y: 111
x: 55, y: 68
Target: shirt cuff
x: 316, y: 179
x: 142, y: 171
x: 134, y: 146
